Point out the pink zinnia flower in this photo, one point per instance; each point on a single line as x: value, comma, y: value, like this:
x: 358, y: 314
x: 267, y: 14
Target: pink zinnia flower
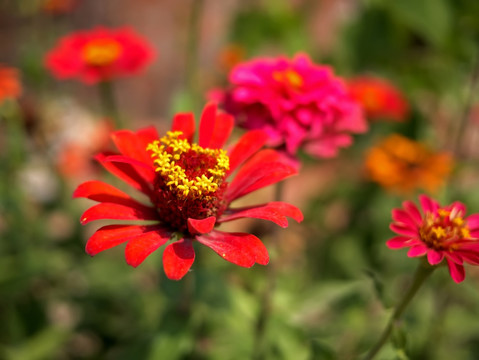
x: 189, y: 193
x: 299, y: 104
x: 439, y: 233
x: 99, y: 54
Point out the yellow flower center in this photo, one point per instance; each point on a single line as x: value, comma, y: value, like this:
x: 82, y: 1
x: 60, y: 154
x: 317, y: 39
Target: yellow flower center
x: 442, y: 231
x: 188, y: 170
x: 289, y: 77
x: 101, y: 52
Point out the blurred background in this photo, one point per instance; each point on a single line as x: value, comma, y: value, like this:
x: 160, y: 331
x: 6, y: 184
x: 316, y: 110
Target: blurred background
x: 335, y: 280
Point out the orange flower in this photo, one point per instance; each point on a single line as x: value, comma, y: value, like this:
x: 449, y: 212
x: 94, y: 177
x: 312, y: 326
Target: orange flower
x: 380, y: 98
x: 10, y: 86
x: 404, y: 165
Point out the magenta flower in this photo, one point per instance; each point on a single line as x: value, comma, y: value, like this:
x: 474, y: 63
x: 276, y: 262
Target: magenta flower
x: 299, y: 104
x: 439, y: 233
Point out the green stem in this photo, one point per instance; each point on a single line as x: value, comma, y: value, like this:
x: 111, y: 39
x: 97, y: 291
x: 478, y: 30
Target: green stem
x: 266, y: 299
x: 108, y: 102
x: 422, y: 273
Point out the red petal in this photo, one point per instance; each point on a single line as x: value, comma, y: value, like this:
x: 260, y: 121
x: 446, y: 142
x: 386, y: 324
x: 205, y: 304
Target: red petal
x: 118, y: 212
x: 249, y: 144
x: 207, y: 124
x: 265, y: 168
x: 184, y: 122
x: 178, y: 258
x: 274, y: 211
x: 417, y: 250
x: 147, y: 135
x: 239, y: 248
x: 413, y: 211
x: 401, y: 216
x: 101, y: 192
x: 140, y: 247
x: 113, y: 235
x: 473, y: 221
x: 147, y: 171
x: 131, y: 145
x: 202, y: 226
x: 434, y: 257
x: 398, y: 242
x: 222, y: 130
x: 125, y: 172
x: 402, y: 229
x: 457, y: 271
x: 428, y: 205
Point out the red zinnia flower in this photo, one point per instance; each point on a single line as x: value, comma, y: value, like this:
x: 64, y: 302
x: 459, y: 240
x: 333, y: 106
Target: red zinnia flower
x: 298, y: 103
x: 439, y: 233
x: 186, y: 184
x: 99, y: 54
x: 380, y: 98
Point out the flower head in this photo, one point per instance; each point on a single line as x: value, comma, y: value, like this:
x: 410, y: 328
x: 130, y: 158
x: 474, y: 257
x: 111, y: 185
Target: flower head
x: 189, y: 192
x: 10, y: 86
x: 299, y: 104
x: 439, y: 233
x: 379, y: 98
x: 99, y: 54
x: 404, y: 165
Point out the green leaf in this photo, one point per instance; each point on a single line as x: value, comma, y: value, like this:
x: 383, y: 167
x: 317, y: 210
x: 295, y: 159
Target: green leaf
x: 429, y: 18
x: 41, y: 346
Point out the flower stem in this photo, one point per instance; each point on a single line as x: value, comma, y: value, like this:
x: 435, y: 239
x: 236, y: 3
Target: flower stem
x: 108, y: 102
x: 267, y: 295
x: 422, y: 273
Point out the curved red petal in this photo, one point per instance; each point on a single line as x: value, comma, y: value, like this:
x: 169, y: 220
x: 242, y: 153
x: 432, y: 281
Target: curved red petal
x: 202, y: 226
x: 178, y: 258
x: 275, y: 211
x: 413, y: 211
x: 184, y: 122
x: 130, y: 144
x: 113, y: 235
x: 417, y: 250
x: 140, y: 247
x: 101, y: 192
x: 473, y: 221
x: 428, y: 204
x: 434, y: 257
x: 147, y: 135
x: 247, y: 145
x: 147, y: 171
x: 118, y: 212
x: 403, y: 217
x: 403, y: 229
x: 222, y: 130
x: 239, y: 248
x: 258, y: 177
x: 399, y: 242
x: 456, y: 271
x: 207, y: 124
x: 127, y: 173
